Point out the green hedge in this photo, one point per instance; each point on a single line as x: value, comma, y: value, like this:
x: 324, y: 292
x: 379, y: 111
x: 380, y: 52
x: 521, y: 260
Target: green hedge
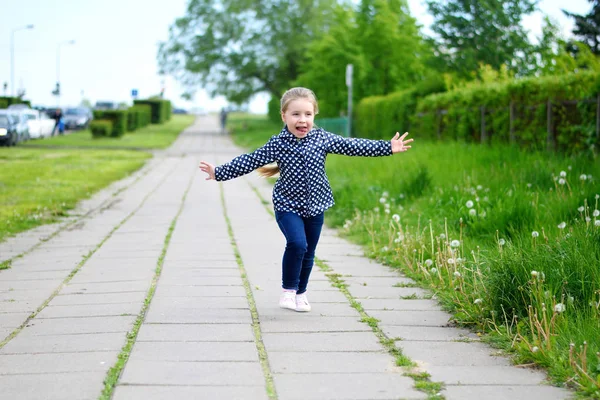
x: 6, y: 101
x: 138, y: 117
x: 118, y: 118
x: 457, y: 114
x: 160, y: 109
x: 460, y: 114
x: 101, y: 128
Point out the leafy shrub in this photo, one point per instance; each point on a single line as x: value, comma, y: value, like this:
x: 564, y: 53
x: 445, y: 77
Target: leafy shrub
x: 101, y: 128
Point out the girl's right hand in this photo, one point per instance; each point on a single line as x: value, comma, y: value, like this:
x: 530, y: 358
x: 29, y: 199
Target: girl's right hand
x: 209, y: 169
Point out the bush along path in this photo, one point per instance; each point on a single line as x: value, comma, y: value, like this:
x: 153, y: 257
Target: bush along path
x: 173, y: 290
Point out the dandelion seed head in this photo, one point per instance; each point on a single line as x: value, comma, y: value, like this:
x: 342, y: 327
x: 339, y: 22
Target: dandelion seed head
x: 534, y: 274
x: 442, y: 236
x: 434, y: 270
x: 455, y: 243
x: 583, y: 177
x: 561, y: 181
x: 559, y: 307
x: 529, y: 185
x: 534, y: 349
x: 469, y: 204
x: 385, y: 194
x: 501, y: 242
x: 384, y: 248
x: 562, y: 225
x: 535, y: 234
x: 451, y: 261
x: 580, y: 209
x: 588, y: 219
x: 563, y: 174
x: 597, y: 222
x: 429, y: 262
x: 457, y: 274
x: 477, y: 301
x: 382, y: 200
x: 396, y: 217
x: 472, y: 212
x: 596, y: 213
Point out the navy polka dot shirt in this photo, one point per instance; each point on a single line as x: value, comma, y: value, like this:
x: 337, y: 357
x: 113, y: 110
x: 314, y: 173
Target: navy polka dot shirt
x: 302, y: 187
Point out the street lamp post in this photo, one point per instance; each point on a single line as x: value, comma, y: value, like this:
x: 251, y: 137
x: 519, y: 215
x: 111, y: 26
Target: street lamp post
x: 58, y: 69
x: 12, y: 56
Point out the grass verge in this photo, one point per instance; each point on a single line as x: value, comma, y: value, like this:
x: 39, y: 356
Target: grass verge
x: 153, y: 136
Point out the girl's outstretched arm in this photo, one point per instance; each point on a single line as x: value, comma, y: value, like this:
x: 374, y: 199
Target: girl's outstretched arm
x: 209, y: 169
x: 399, y: 145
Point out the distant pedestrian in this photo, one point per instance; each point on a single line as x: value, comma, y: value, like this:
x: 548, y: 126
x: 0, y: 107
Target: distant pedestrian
x: 302, y: 193
x: 223, y: 117
x: 58, y: 122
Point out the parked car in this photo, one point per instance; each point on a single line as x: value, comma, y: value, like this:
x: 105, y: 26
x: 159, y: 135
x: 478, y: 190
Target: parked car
x: 39, y: 123
x: 77, y: 117
x: 21, y: 123
x: 106, y: 105
x: 8, y: 130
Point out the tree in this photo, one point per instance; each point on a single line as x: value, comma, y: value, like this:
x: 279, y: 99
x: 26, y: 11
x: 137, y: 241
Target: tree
x: 392, y: 46
x: 587, y: 27
x: 237, y: 48
x: 475, y: 32
x: 325, y: 68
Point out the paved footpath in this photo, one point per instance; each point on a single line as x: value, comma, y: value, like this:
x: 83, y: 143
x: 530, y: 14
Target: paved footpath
x: 193, y: 267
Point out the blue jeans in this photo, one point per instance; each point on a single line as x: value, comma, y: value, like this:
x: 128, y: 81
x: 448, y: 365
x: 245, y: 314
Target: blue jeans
x: 302, y: 235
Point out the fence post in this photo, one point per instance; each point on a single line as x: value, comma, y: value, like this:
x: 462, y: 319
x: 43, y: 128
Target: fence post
x: 550, y: 139
x: 511, y: 132
x: 483, y: 132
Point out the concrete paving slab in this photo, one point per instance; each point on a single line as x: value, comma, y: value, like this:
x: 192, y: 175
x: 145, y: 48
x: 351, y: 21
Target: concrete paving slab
x: 378, y: 281
x: 355, y: 386
x: 43, y: 284
x: 432, y: 333
x: 399, y: 305
x: 140, y: 392
x: 90, y: 310
x: 12, y: 320
x: 321, y: 341
x: 296, y: 323
x: 343, y: 362
x: 202, y: 281
x: 57, y: 326
x: 13, y: 364
x: 197, y: 291
x: 454, y: 354
x: 106, y: 287
x: 53, y: 386
x: 65, y: 343
x: 23, y: 306
x: 486, y: 375
x: 366, y: 292
x: 195, y: 351
x: 415, y: 318
x: 168, y: 304
x: 505, y: 392
x: 193, y: 373
x: 183, y: 274
x: 196, y: 332
x: 196, y: 316
x: 97, y: 299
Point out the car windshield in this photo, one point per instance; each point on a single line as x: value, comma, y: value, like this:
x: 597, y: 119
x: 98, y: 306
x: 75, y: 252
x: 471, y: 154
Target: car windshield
x: 75, y: 111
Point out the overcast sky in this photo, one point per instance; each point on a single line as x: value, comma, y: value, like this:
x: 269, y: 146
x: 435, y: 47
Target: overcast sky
x: 116, y: 45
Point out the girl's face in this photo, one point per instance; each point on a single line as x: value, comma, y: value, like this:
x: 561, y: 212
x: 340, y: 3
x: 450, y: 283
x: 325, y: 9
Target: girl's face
x: 299, y: 117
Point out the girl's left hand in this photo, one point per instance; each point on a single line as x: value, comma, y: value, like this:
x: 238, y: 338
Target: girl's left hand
x: 399, y: 144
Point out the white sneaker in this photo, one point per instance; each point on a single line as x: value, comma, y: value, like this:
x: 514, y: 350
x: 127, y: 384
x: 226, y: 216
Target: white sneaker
x: 288, y: 300
x: 302, y: 303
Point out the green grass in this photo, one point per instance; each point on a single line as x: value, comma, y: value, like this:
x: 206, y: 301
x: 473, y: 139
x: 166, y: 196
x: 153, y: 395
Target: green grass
x: 499, y: 279
x: 150, y: 137
x: 39, y: 184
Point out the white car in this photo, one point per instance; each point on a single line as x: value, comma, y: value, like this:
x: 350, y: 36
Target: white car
x: 21, y: 124
x: 39, y: 123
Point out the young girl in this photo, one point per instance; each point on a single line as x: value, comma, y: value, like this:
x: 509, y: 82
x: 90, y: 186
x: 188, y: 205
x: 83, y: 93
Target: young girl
x: 302, y: 192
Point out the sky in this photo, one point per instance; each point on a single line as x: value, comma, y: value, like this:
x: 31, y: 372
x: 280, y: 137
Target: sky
x: 116, y: 43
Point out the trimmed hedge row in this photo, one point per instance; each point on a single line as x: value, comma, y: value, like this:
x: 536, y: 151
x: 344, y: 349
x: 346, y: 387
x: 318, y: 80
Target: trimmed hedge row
x: 556, y: 112
x: 6, y: 101
x: 121, y: 121
x: 160, y: 109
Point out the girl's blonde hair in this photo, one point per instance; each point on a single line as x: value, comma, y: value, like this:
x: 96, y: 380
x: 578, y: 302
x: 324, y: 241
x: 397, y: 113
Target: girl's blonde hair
x: 289, y: 96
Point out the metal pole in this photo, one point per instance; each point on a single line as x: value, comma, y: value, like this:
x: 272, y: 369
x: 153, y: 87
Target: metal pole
x: 349, y: 70
x: 12, y: 57
x: 58, y: 68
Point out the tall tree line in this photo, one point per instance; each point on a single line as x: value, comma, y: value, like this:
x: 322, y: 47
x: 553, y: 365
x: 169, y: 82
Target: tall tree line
x: 238, y: 48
